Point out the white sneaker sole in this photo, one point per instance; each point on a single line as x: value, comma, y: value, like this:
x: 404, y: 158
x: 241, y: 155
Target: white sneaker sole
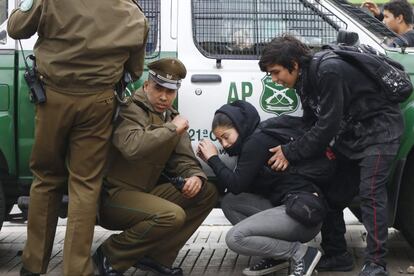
x: 281, y: 266
x: 314, y: 263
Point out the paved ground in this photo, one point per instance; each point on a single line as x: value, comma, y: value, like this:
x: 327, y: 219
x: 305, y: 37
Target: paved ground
x: 205, y: 252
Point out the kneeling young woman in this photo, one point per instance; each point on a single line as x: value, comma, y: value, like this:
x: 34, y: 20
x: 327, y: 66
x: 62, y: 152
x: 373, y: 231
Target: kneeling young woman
x: 257, y: 196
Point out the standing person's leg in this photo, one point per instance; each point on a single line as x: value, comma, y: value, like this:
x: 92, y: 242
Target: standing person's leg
x: 89, y: 142
x: 373, y: 193
x: 336, y: 257
x: 274, y: 234
x: 343, y: 187
x: 333, y: 231
x: 53, y: 120
x: 196, y: 210
x: 238, y: 207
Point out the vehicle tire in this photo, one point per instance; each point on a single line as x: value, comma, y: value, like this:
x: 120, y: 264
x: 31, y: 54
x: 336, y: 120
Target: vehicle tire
x: 405, y: 209
x: 2, y: 205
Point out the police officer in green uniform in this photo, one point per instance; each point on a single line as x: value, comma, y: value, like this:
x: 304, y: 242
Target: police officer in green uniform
x: 82, y: 49
x: 156, y: 218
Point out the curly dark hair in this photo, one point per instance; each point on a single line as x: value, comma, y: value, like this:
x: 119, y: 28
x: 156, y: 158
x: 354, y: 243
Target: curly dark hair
x: 285, y: 51
x: 401, y: 7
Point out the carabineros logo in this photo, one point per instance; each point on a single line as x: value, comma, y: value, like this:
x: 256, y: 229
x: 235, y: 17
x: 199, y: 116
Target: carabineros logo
x: 277, y: 99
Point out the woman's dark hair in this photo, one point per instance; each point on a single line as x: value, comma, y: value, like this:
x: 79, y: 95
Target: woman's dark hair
x: 221, y: 120
x: 401, y: 7
x: 285, y: 51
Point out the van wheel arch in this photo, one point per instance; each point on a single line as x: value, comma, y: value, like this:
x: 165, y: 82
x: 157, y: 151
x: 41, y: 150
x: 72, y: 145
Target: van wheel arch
x: 2, y: 205
x: 405, y: 208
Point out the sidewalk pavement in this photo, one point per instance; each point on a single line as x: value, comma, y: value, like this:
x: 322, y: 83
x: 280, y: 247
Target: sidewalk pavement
x: 205, y: 253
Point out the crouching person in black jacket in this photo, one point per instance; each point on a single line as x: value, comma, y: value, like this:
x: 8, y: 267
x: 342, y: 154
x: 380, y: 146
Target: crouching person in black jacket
x: 274, y: 213
x: 348, y: 111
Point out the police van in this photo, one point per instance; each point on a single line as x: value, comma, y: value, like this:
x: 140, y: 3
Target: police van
x: 220, y: 42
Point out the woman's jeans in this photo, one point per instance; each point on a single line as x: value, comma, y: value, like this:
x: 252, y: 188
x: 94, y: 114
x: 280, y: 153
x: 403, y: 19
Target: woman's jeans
x: 263, y: 230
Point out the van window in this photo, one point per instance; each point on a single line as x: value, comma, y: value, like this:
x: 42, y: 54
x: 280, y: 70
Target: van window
x: 379, y: 29
x: 238, y: 29
x: 3, y: 11
x: 152, y: 12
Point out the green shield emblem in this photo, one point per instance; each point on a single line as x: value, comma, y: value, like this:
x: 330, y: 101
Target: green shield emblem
x: 278, y: 99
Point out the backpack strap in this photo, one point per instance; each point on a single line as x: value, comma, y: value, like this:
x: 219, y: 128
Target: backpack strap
x: 327, y: 52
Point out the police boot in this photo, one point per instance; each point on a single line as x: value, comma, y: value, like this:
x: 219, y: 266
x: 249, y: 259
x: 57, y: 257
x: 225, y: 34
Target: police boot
x: 103, y: 265
x: 147, y: 263
x: 25, y: 272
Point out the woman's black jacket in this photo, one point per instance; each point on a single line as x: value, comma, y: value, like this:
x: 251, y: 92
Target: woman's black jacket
x: 252, y: 174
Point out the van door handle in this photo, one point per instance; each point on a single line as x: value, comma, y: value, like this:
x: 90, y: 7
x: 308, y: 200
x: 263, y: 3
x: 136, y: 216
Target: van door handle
x: 206, y: 78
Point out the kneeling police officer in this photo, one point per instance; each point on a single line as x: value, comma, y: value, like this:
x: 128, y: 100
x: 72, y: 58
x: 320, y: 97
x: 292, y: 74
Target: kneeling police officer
x: 155, y: 216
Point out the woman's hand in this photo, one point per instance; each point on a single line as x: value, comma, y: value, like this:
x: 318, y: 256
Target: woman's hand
x: 206, y: 149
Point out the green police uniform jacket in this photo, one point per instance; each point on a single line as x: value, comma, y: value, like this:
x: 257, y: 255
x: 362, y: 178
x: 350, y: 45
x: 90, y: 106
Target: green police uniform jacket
x: 83, y: 46
x: 145, y: 144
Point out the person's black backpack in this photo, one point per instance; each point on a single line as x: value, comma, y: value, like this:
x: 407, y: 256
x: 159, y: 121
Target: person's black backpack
x: 394, y: 81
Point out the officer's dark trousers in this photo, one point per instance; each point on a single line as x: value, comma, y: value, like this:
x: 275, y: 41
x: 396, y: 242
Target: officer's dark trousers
x: 72, y: 134
x: 372, y: 172
x: 155, y: 224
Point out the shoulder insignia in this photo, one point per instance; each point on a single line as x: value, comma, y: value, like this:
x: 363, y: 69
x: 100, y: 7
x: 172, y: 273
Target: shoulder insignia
x: 25, y: 5
x: 127, y: 101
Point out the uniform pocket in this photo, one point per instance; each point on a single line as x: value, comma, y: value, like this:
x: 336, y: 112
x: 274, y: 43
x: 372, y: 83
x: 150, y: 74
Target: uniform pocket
x: 106, y: 99
x: 104, y: 105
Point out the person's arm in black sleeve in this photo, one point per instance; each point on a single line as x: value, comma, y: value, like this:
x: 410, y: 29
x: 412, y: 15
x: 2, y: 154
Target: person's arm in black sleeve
x: 315, y: 141
x: 402, y: 40
x: 373, y: 9
x: 253, y: 157
x: 380, y: 16
x: 308, y: 117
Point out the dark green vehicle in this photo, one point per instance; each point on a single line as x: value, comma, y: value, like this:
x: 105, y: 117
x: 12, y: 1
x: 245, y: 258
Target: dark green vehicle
x: 220, y: 42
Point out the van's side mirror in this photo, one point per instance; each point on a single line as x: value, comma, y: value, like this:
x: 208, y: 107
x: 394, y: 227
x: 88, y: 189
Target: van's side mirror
x: 347, y: 38
x: 3, y: 37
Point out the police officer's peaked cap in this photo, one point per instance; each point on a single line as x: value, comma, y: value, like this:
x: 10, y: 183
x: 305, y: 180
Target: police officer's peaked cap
x: 167, y: 72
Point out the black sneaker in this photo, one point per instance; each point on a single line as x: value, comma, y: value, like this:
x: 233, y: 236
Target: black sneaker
x: 373, y: 269
x: 265, y: 266
x: 306, y: 265
x: 342, y: 262
x: 103, y: 265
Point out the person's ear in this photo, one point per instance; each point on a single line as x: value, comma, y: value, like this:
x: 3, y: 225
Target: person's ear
x: 145, y: 85
x: 295, y: 66
x: 400, y: 18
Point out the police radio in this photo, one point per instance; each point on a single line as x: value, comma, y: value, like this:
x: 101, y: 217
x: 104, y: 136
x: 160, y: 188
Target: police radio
x: 37, y: 93
x: 177, y: 181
